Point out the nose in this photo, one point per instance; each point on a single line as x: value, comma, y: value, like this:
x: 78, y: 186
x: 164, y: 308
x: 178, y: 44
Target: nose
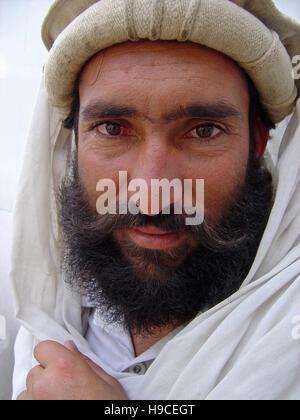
x: 155, y: 172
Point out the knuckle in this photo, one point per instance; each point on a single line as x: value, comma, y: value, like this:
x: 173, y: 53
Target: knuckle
x: 41, y: 347
x: 65, y: 366
x: 39, y: 391
x: 31, y: 377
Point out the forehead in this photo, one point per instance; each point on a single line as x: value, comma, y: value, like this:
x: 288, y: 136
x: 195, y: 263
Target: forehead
x: 166, y: 70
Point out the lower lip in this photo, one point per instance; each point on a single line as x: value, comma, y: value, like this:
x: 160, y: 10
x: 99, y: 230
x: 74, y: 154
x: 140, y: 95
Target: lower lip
x: 155, y: 241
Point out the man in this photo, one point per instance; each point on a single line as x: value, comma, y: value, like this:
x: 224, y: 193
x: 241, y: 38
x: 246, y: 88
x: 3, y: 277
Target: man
x: 120, y: 304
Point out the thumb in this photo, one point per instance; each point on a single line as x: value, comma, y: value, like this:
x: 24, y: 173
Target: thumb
x: 70, y: 345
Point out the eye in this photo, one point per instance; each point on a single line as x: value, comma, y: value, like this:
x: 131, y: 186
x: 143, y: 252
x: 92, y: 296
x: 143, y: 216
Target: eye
x: 205, y: 131
x: 112, y: 129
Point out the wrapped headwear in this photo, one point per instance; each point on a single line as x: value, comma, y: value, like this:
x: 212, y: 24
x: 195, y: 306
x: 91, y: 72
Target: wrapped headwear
x: 253, y: 33
x: 246, y: 347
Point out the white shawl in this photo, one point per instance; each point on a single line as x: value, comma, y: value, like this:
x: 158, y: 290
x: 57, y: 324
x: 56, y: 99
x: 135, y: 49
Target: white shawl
x: 247, y: 347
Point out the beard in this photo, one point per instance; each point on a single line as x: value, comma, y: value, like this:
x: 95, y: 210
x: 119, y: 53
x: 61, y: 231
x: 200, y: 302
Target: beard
x: 144, y: 290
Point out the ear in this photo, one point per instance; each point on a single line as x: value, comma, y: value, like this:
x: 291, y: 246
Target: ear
x: 262, y: 137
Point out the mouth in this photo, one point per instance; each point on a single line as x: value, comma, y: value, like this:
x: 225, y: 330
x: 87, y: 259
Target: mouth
x: 151, y: 237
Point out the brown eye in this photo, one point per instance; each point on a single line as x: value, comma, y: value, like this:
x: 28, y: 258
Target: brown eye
x: 113, y: 129
x: 205, y: 131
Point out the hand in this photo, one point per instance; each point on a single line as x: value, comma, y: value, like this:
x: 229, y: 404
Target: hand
x: 66, y: 374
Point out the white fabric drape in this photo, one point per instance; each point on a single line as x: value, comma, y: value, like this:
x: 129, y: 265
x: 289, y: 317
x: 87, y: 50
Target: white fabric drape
x: 8, y: 324
x: 243, y: 348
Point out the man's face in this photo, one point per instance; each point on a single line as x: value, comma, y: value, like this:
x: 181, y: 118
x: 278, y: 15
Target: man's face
x: 163, y: 110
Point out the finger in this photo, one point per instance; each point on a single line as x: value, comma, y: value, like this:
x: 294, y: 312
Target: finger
x: 48, y: 352
x: 34, y: 376
x: 70, y: 345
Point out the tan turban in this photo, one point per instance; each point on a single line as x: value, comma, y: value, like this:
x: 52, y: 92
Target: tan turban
x: 251, y: 32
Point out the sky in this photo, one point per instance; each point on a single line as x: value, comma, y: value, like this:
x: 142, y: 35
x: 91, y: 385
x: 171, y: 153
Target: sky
x: 22, y: 55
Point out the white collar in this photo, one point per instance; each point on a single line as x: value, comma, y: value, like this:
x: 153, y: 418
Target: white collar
x: 113, y: 344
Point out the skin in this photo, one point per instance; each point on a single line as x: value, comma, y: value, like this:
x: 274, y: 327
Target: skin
x: 155, y: 79
x: 64, y: 373
x: 138, y: 75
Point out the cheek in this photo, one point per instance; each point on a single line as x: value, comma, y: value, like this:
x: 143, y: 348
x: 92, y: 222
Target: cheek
x: 223, y: 180
x: 93, y: 167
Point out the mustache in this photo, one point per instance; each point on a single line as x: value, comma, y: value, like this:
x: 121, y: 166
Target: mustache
x: 80, y: 223
x: 94, y: 228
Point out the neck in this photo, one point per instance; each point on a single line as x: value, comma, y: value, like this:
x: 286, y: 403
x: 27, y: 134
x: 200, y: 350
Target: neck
x: 143, y: 341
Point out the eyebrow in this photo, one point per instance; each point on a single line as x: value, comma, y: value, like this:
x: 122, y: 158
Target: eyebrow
x: 100, y: 109
x: 219, y: 110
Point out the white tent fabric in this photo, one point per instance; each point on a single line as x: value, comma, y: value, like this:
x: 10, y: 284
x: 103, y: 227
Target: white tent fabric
x: 244, y: 348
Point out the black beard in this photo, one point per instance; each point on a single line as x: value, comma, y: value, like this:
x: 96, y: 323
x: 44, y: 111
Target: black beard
x: 143, y: 289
